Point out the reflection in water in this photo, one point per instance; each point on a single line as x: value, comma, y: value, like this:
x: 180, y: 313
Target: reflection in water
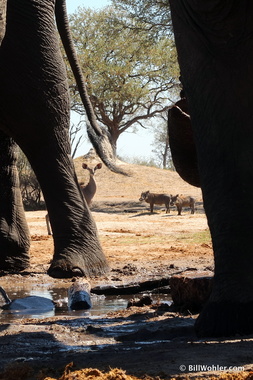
x: 101, y: 305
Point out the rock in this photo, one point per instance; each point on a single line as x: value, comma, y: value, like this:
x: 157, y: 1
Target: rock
x: 139, y: 302
x: 190, y: 290
x: 30, y: 303
x: 79, y: 295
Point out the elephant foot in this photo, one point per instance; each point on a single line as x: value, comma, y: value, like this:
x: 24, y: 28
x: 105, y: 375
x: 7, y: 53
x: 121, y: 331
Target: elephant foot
x: 225, y: 319
x: 57, y: 271
x: 64, y: 268
x: 14, y: 263
x: 14, y: 247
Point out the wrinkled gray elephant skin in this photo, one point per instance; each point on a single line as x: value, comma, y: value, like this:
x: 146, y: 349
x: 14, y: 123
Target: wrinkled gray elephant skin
x: 34, y: 113
x: 214, y: 40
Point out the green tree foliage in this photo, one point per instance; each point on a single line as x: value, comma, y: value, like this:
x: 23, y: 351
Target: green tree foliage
x: 131, y: 72
x: 153, y: 15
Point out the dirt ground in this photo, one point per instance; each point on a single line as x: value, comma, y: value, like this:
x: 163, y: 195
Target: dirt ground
x: 139, y: 246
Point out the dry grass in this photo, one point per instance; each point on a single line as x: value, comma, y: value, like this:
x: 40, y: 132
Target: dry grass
x: 24, y: 372
x: 118, y: 374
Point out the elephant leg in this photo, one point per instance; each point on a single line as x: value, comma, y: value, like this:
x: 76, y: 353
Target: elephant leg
x: 229, y: 310
x: 34, y: 111
x: 14, y: 234
x: 77, y: 250
x: 215, y: 50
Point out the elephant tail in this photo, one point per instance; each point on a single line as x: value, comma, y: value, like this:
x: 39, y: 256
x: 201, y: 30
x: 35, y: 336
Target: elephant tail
x: 98, y: 137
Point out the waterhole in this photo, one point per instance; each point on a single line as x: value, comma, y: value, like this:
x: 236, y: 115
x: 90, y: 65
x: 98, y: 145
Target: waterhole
x: 101, y: 304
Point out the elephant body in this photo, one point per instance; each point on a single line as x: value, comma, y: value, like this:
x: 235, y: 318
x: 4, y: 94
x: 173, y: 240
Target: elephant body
x: 214, y: 40
x: 34, y: 113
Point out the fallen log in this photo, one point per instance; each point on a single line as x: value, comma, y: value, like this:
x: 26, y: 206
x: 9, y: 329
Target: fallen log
x: 131, y: 288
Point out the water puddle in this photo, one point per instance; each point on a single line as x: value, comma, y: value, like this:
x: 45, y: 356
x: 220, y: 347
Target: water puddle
x: 101, y: 304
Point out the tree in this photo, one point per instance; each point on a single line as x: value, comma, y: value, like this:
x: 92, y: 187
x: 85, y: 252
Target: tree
x: 130, y: 73
x: 75, y: 137
x: 2, y: 18
x: 29, y: 185
x: 154, y: 15
x: 161, y: 144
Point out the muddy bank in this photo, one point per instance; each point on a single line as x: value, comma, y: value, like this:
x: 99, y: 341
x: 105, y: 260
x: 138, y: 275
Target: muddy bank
x: 142, y: 342
x: 147, y: 340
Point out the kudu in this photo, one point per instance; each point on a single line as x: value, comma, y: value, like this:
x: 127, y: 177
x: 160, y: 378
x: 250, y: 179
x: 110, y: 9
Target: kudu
x: 88, y: 190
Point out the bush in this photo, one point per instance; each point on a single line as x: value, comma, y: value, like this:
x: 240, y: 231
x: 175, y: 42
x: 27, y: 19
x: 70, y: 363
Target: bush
x: 29, y: 185
x: 144, y: 161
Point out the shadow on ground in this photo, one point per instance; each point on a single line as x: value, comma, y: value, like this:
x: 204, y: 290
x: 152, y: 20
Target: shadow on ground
x: 141, y: 341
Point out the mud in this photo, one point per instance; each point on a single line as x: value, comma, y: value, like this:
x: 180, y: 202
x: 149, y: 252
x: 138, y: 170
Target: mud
x: 149, y: 340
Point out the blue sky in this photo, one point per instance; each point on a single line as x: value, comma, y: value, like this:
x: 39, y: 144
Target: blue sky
x: 73, y: 4
x: 129, y: 144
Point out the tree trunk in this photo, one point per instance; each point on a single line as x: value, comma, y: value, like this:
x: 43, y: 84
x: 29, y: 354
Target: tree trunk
x: 166, y: 152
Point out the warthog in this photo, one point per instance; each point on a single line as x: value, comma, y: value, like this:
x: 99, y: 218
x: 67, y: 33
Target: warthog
x: 156, y: 199
x: 180, y: 201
